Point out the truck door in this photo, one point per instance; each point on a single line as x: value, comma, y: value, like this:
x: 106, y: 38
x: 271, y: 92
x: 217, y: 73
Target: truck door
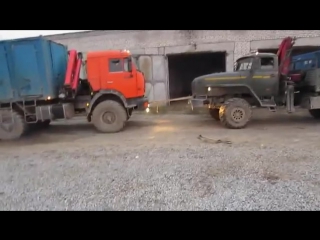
x: 155, y: 70
x: 119, y: 78
x: 266, y: 77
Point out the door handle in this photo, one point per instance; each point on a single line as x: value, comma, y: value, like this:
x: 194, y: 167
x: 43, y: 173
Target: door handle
x: 130, y: 76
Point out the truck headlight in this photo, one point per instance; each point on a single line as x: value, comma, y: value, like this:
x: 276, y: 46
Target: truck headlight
x: 209, y: 89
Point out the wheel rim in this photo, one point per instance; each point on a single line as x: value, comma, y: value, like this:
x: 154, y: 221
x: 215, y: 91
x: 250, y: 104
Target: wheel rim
x: 109, y: 117
x: 238, y: 114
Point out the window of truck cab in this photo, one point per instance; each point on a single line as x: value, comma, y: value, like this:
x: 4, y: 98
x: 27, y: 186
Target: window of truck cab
x: 267, y: 63
x: 117, y: 65
x: 243, y: 64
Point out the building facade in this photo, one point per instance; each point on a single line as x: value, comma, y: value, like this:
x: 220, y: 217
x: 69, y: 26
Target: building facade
x: 153, y: 46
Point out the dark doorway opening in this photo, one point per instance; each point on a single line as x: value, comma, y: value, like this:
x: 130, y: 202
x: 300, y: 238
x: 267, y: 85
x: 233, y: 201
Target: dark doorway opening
x: 183, y: 68
x: 295, y: 51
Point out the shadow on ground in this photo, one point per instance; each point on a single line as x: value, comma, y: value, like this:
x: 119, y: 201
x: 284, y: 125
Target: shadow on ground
x: 68, y: 131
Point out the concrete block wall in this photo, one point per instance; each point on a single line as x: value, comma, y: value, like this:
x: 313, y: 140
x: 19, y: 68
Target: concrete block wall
x: 176, y: 41
x: 235, y: 42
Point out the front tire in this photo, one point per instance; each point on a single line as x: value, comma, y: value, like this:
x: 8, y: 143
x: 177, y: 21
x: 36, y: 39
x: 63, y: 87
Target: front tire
x: 235, y: 113
x: 315, y: 113
x: 109, y: 117
x: 214, y: 113
x: 13, y: 125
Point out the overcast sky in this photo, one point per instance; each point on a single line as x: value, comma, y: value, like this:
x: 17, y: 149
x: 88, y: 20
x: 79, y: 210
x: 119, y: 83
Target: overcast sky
x: 11, y: 34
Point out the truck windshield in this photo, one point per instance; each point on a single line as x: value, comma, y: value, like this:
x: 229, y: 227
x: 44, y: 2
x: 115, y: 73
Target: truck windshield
x: 243, y: 64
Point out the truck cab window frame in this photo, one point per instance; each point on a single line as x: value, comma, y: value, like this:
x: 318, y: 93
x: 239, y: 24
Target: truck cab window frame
x: 267, y: 63
x: 126, y: 66
x: 244, y: 64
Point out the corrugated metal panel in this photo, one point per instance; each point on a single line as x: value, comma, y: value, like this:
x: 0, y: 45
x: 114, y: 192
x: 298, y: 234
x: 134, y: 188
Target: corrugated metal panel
x: 27, y: 70
x: 159, y: 68
x: 306, y: 61
x: 59, y: 63
x: 155, y: 69
x: 5, y: 83
x: 160, y: 91
x: 149, y: 92
x: 36, y: 68
x: 145, y: 65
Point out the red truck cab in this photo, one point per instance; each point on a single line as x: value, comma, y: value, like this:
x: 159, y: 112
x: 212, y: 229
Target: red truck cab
x: 113, y: 88
x: 115, y: 70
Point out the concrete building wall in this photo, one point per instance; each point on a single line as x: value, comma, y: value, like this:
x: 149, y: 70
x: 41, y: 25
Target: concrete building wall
x: 235, y: 42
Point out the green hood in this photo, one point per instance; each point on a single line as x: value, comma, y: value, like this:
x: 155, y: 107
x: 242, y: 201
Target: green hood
x: 200, y: 84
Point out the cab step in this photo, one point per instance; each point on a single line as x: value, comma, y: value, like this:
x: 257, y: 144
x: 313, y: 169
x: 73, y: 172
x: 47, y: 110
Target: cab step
x: 268, y: 103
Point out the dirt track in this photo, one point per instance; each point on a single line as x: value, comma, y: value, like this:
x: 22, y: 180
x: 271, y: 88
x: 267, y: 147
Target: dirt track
x: 158, y: 163
x: 265, y: 128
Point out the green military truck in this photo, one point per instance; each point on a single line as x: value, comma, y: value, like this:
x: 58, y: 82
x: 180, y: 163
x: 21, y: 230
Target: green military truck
x: 264, y: 80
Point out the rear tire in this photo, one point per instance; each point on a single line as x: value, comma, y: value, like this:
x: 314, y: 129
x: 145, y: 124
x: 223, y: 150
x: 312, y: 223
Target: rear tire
x: 214, y: 113
x: 13, y: 125
x: 235, y: 113
x: 315, y: 113
x: 109, y: 117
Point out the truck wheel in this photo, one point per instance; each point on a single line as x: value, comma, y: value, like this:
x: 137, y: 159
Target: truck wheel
x: 315, y: 113
x: 214, y: 112
x: 235, y: 113
x: 129, y: 113
x: 13, y: 125
x: 109, y: 117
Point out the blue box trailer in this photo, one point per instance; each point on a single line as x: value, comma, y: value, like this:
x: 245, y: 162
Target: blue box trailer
x: 32, y: 72
x: 31, y: 68
x: 306, y: 61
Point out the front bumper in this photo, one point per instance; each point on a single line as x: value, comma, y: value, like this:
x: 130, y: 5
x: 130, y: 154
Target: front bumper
x: 139, y: 103
x: 199, y: 102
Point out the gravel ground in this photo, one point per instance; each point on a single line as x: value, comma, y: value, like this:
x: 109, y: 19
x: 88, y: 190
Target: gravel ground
x: 159, y: 164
